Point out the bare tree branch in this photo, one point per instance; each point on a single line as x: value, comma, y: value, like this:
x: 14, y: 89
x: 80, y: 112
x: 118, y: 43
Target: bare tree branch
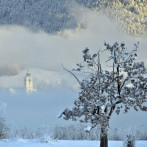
x: 71, y: 74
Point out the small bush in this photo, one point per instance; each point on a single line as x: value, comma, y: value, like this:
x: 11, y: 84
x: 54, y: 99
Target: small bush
x: 46, y: 139
x: 130, y: 141
x: 4, y: 129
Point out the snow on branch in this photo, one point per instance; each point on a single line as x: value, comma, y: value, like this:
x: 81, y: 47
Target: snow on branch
x: 104, y: 92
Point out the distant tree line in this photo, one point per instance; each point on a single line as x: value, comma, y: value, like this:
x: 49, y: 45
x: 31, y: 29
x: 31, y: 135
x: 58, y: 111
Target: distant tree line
x: 70, y: 132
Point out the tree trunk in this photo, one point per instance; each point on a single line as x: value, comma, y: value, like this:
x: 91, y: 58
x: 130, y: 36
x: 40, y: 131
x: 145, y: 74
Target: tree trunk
x: 103, y: 137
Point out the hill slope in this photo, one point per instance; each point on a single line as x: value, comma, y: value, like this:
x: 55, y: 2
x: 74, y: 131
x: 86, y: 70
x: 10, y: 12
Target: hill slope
x: 54, y: 15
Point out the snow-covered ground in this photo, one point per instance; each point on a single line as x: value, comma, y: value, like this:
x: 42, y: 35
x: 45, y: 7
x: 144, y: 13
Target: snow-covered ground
x: 61, y: 143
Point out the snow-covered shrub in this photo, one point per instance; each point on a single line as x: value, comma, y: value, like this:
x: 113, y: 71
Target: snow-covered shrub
x: 130, y: 141
x: 75, y: 132
x: 46, y: 139
x: 4, y: 128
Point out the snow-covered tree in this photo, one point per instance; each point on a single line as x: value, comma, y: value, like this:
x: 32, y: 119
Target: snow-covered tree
x: 4, y: 128
x: 103, y: 92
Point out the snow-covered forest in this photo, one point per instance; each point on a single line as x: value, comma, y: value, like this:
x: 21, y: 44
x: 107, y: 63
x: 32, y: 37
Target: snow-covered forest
x: 53, y: 15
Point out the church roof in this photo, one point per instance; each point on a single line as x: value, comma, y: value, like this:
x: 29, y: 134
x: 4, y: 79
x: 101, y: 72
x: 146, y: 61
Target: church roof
x: 28, y: 74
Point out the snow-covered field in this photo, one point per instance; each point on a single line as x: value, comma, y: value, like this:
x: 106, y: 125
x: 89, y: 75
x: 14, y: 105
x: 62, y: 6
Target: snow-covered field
x: 61, y: 143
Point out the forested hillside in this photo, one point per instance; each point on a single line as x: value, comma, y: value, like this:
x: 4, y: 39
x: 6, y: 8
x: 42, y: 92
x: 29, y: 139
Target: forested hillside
x: 54, y: 15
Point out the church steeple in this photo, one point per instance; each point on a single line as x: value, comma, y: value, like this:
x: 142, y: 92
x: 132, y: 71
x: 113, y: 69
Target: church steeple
x: 28, y: 81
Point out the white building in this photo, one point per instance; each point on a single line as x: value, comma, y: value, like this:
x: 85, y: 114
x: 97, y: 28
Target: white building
x: 28, y: 81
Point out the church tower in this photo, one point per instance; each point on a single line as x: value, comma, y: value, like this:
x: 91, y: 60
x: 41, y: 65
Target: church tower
x: 28, y: 81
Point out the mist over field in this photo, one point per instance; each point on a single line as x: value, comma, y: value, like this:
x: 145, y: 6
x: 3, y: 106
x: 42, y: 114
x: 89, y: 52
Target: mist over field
x: 42, y: 53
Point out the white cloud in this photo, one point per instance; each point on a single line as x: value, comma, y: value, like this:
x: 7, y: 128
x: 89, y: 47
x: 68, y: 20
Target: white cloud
x: 22, y: 48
